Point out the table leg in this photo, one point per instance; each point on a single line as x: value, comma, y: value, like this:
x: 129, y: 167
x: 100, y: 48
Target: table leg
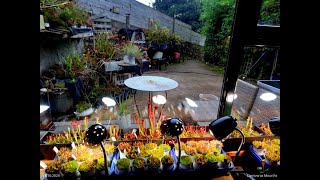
x: 135, y: 102
x: 163, y: 106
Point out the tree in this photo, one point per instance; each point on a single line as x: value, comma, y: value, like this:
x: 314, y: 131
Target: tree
x: 270, y: 12
x: 218, y: 18
x: 187, y: 11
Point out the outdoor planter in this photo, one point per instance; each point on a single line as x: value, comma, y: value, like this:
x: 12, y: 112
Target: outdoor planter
x: 186, y: 162
x: 87, y: 169
x: 167, y: 163
x: 200, y: 161
x: 153, y: 165
x: 138, y: 165
x: 70, y: 170
x: 53, y: 170
x: 123, y: 166
x: 83, y: 109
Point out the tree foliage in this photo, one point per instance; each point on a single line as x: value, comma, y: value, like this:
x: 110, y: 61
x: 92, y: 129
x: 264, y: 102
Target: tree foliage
x: 187, y: 11
x: 218, y: 15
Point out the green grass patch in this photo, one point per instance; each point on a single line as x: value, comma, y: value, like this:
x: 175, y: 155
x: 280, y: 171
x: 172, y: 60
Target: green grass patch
x: 218, y: 70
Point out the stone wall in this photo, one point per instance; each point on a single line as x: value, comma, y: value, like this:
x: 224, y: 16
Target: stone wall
x: 54, y: 51
x: 140, y: 16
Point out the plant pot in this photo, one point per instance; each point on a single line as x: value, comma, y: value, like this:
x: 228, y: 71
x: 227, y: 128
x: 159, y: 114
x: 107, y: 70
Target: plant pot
x: 84, y: 113
x: 138, y: 170
x: 213, y: 165
x: 167, y: 167
x: 197, y: 166
x: 223, y: 165
x: 124, y: 121
x: 186, y: 167
x: 153, y: 171
x: 74, y: 175
x: 122, y: 172
x: 88, y: 175
x: 109, y: 157
x: 100, y: 173
x: 129, y: 59
x: 176, y: 56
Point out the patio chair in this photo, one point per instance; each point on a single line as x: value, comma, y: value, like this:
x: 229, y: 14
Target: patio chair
x: 158, y: 60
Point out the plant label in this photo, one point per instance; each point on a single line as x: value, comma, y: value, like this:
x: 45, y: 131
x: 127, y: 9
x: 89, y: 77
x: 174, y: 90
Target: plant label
x: 134, y: 133
x: 55, y: 149
x: 113, y: 139
x: 73, y: 145
x: 114, y: 161
x: 138, y: 150
x: 123, y: 155
x: 74, y: 157
x: 43, y: 165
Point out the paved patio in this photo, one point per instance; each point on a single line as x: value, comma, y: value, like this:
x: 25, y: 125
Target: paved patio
x: 193, y: 78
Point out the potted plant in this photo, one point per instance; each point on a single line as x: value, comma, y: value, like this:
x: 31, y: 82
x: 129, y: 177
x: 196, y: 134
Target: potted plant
x: 130, y: 53
x: 150, y: 146
x: 189, y: 150
x: 157, y: 153
x: 99, y: 166
x: 138, y: 165
x: 200, y: 161
x: 144, y: 153
x: 87, y: 169
x: 70, y: 170
x: 132, y: 153
x: 81, y: 152
x: 225, y: 162
x: 124, y: 118
x: 83, y: 109
x: 213, y: 159
x: 123, y: 166
x: 185, y: 162
x: 153, y: 164
x: 109, y: 148
x: 165, y: 147
x: 64, y: 154
x: 53, y: 170
x: 167, y: 162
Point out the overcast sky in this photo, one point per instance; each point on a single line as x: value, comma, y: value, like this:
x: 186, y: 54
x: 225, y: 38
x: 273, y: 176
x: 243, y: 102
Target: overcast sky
x: 146, y: 2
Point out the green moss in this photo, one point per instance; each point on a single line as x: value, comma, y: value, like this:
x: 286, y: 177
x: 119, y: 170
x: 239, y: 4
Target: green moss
x: 185, y: 160
x: 70, y: 167
x: 99, y: 165
x: 138, y: 163
x: 123, y: 164
x: 214, y: 157
x: 164, y: 147
x: 86, y: 166
x: 82, y: 106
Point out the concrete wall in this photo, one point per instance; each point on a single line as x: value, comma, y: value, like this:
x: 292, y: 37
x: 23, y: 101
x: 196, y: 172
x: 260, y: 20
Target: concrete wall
x: 249, y: 104
x: 140, y: 16
x: 54, y: 51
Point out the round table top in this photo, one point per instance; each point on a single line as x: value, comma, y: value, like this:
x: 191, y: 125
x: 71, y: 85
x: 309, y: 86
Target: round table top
x: 151, y: 83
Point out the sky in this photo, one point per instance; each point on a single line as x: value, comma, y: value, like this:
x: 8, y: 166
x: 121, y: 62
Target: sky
x: 146, y: 2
